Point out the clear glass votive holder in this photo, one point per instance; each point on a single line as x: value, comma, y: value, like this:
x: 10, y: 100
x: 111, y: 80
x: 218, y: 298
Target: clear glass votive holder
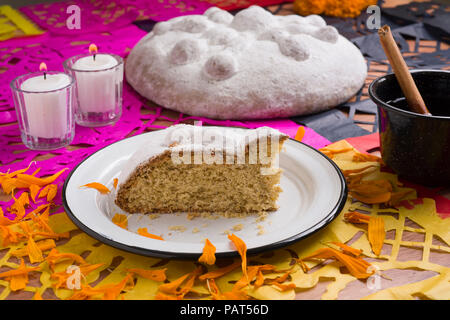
x: 98, y: 88
x: 44, y: 108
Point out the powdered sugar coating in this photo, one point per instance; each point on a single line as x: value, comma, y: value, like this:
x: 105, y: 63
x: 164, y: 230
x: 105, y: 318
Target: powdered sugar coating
x: 186, y: 51
x: 219, y: 16
x: 221, y: 66
x: 254, y: 65
x: 195, y: 139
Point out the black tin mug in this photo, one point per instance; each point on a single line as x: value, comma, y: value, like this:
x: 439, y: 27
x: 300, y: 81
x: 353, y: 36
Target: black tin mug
x: 415, y: 146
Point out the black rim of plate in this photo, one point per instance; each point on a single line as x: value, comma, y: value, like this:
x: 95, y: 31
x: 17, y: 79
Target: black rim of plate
x: 184, y: 255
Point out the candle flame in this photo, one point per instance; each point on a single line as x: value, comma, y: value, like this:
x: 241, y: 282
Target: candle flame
x: 93, y: 48
x: 42, y: 67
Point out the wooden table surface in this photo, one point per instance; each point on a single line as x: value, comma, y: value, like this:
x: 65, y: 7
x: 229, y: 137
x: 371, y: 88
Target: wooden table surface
x: 356, y: 289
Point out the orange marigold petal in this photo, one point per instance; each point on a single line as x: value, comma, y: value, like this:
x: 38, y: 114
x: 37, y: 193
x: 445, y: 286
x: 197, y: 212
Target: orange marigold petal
x: 28, y: 180
x: 397, y: 197
x: 112, y: 292
x: 241, y: 247
x: 300, y: 133
x: 285, y: 287
x: 163, y: 296
x: 156, y: 275
x: 303, y: 265
x: 259, y: 280
x: 34, y: 189
x: 53, y: 190
x: 18, y: 282
x: 220, y: 272
x: 37, y: 296
x: 348, y: 249
x: 97, y: 186
x: 356, y: 217
x: 62, y: 277
x: 209, y: 253
x: 4, y: 221
x: 18, y: 278
x: 34, y: 252
x: 331, y: 152
x: 181, y: 286
x: 145, y: 233
x: 361, y: 157
x: 55, y: 257
x: 356, y: 266
x: 20, y: 204
x: 376, y: 234
x: 43, y: 245
x: 120, y: 220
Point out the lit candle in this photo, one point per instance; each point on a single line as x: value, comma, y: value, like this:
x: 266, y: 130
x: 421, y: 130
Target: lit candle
x: 44, y: 108
x: 46, y: 112
x: 99, y: 86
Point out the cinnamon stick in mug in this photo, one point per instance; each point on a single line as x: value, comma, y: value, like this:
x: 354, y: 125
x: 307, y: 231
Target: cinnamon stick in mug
x: 401, y: 71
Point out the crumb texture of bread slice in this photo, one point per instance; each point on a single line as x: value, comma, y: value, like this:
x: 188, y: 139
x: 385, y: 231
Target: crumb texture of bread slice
x: 161, y: 185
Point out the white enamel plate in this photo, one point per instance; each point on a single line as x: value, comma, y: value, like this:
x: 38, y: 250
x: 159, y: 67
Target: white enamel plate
x: 314, y: 192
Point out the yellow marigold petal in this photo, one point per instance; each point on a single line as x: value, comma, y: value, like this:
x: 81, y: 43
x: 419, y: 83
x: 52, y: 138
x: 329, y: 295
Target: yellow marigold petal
x: 209, y: 253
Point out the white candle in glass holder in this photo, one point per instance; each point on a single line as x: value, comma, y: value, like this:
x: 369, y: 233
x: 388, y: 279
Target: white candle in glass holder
x: 97, y: 90
x: 46, y: 110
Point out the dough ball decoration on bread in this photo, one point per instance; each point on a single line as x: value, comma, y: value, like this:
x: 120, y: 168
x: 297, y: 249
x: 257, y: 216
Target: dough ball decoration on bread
x: 253, y: 65
x: 186, y: 51
x: 221, y: 66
